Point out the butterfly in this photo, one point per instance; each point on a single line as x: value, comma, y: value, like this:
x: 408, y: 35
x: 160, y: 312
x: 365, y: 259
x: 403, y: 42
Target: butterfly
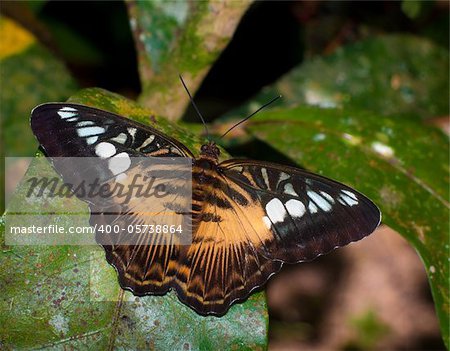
x: 248, y: 217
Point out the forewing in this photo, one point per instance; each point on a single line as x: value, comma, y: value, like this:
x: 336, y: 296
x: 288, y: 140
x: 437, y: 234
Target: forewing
x: 72, y: 130
x: 303, y: 215
x: 114, y: 151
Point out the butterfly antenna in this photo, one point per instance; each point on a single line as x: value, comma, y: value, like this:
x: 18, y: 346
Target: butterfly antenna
x: 195, y: 106
x: 254, y: 113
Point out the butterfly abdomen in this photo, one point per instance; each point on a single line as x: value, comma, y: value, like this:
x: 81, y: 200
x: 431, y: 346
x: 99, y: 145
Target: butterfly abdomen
x: 204, y: 182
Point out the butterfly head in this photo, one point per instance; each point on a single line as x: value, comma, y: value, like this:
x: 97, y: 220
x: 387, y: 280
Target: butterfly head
x: 210, y: 150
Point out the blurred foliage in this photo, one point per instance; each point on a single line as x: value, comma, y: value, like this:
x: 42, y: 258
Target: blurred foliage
x: 29, y: 75
x: 378, y: 88
x: 369, y: 329
x: 412, y: 8
x: 32, y: 75
x: 391, y: 75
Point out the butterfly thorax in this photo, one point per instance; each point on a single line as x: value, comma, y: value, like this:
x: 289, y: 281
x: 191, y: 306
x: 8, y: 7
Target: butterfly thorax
x: 210, y: 151
x: 206, y: 163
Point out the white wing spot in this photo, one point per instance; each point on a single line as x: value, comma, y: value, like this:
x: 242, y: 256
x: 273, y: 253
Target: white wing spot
x: 327, y: 196
x: 312, y: 207
x: 85, y: 124
x: 349, y: 193
x: 283, y: 176
x: 265, y: 177
x: 289, y: 189
x: 275, y: 210
x: 91, y: 140
x: 267, y: 222
x: 66, y: 114
x: 319, y: 201
x: 119, y: 163
x: 88, y: 131
x: 72, y: 119
x: 121, y: 138
x: 147, y: 141
x: 295, y: 208
x: 105, y: 150
x: 347, y: 200
x: 132, y: 131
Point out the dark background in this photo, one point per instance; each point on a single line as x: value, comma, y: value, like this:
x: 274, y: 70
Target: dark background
x: 272, y: 38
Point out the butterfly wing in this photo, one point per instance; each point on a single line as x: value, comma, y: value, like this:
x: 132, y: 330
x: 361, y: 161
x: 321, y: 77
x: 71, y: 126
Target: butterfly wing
x: 73, y: 130
x: 113, y: 148
x: 304, y: 215
x: 257, y: 215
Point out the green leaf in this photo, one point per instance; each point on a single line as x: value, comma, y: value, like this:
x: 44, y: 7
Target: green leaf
x: 369, y: 329
x: 402, y: 165
x: 69, y: 296
x: 179, y: 37
x: 411, y: 8
x: 398, y: 75
x: 30, y: 75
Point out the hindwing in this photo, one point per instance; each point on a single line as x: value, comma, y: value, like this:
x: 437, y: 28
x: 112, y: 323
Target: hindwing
x: 304, y: 215
x: 257, y: 215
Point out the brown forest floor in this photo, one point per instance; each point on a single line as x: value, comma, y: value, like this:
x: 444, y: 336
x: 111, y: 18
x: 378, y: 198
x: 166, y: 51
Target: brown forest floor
x: 372, y: 294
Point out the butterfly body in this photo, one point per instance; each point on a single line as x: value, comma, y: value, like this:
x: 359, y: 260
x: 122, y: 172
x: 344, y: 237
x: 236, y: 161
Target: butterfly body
x: 247, y: 217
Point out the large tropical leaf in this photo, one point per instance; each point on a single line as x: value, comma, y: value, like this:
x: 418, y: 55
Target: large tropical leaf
x: 400, y: 75
x: 402, y: 165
